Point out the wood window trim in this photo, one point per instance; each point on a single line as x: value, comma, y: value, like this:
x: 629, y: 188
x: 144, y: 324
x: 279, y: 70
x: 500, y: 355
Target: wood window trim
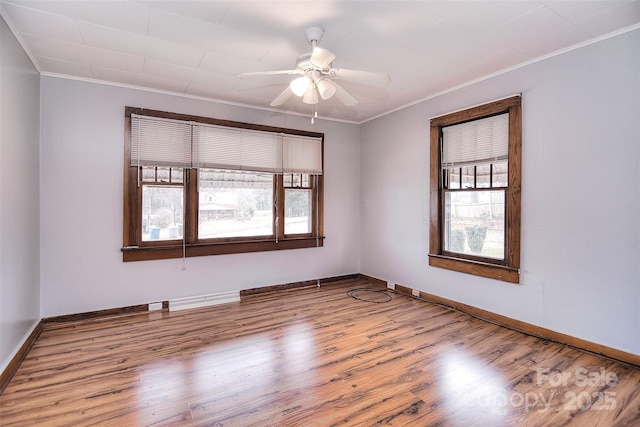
x: 508, y: 270
x: 135, y: 250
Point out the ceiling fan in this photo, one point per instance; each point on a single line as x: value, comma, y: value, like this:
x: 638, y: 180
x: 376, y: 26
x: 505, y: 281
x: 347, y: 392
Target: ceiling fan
x: 318, y: 77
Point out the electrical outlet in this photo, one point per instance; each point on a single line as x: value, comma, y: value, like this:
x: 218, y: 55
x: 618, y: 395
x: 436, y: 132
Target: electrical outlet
x: 391, y: 285
x: 415, y: 293
x: 155, y: 306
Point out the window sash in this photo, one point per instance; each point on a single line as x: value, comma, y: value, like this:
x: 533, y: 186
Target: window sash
x: 227, y: 202
x: 488, y: 214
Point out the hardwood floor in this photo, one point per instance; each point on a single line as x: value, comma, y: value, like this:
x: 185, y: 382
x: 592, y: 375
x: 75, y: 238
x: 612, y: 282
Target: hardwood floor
x: 313, y: 357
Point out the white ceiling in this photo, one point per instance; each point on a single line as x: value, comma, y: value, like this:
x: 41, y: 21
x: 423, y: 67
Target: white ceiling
x: 198, y: 48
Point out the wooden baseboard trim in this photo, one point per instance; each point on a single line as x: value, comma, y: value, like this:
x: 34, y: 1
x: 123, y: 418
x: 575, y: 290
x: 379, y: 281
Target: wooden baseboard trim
x: 110, y: 312
x: 373, y: 280
x: 294, y: 285
x: 18, y: 358
x: 528, y: 328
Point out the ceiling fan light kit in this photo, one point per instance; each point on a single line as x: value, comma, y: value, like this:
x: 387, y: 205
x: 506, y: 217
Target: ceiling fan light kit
x: 326, y: 88
x: 299, y: 86
x: 310, y: 95
x: 318, y: 77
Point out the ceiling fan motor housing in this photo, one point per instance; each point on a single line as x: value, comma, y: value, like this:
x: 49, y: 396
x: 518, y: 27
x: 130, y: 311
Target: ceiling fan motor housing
x: 304, y: 63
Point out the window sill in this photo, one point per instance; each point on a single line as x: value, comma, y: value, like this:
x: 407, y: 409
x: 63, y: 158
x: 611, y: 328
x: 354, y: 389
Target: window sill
x: 477, y: 268
x: 146, y: 253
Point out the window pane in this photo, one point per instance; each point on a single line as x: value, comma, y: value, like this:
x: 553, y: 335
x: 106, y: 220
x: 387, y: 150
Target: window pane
x: 177, y: 174
x: 163, y: 174
x: 483, y: 176
x: 474, y: 223
x: 453, y: 175
x: 234, y: 204
x: 500, y: 177
x: 297, y: 216
x: 162, y: 212
x: 468, y: 177
x: 149, y: 173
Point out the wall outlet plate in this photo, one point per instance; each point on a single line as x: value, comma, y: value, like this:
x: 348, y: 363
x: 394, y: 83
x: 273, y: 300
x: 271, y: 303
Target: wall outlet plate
x: 155, y: 306
x: 415, y: 293
x: 391, y: 285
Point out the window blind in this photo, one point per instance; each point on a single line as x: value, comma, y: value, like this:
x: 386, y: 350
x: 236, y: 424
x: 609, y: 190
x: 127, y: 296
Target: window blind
x: 479, y: 141
x: 301, y: 154
x: 238, y: 149
x: 160, y: 142
x: 174, y: 143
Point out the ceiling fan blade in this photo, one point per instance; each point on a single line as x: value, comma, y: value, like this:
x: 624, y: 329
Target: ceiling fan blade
x: 269, y: 73
x: 282, y: 98
x: 321, y: 57
x: 345, y: 97
x: 364, y: 77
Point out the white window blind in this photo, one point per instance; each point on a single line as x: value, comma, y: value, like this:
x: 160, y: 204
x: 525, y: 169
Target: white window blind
x: 238, y: 149
x: 302, y: 154
x: 174, y: 143
x: 160, y: 142
x: 476, y: 142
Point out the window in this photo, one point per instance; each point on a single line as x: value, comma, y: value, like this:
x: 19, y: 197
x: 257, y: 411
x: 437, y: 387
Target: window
x: 198, y: 186
x: 234, y: 203
x: 162, y: 203
x: 298, y: 200
x: 475, y: 190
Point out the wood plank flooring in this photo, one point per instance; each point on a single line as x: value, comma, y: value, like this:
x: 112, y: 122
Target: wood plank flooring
x: 313, y: 357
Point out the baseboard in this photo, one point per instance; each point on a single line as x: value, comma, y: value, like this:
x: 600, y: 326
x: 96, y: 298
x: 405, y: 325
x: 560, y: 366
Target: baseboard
x: 109, y: 312
x: 295, y: 285
x: 12, y: 367
x: 373, y: 280
x: 527, y: 328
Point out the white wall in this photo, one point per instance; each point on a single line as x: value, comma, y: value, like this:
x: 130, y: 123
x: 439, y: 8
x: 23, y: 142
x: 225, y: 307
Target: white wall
x: 81, y: 203
x: 19, y: 206
x: 580, y: 195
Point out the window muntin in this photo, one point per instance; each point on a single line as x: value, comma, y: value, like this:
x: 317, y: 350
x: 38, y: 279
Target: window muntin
x: 295, y: 156
x: 161, y: 174
x: 475, y: 190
